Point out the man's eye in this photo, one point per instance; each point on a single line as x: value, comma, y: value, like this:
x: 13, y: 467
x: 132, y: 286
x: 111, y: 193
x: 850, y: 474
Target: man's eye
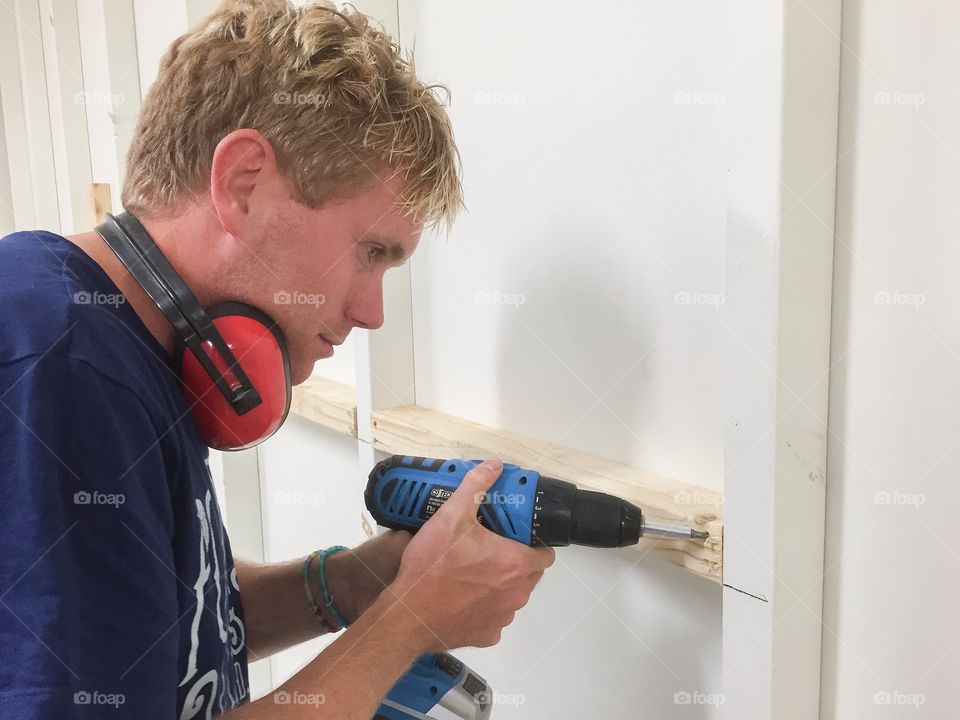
x: 374, y: 252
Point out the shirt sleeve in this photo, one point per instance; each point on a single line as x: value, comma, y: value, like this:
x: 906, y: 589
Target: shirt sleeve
x: 88, y: 593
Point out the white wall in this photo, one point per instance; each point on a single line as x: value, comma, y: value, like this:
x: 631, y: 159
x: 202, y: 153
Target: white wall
x: 893, y: 559
x: 595, y: 176
x: 594, y: 195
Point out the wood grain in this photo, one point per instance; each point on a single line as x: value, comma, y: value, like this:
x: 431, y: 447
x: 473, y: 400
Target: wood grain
x: 100, y: 203
x: 328, y: 403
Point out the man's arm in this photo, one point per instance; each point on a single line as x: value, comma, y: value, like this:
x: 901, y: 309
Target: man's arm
x: 276, y: 610
x: 348, y: 680
x: 463, y: 596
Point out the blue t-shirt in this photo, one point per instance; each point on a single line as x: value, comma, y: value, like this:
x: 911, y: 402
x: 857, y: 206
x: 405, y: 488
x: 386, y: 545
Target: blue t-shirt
x: 118, y: 593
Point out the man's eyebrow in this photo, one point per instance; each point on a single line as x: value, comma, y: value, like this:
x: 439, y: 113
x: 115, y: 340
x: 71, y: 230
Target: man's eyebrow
x: 395, y: 249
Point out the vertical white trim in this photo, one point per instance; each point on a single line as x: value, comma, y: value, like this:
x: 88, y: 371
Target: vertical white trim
x: 36, y: 109
x: 7, y: 214
x: 123, y: 65
x: 20, y: 198
x: 68, y: 116
x: 782, y: 115
x: 385, y: 369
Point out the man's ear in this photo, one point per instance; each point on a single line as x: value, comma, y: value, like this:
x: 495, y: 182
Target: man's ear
x: 244, y: 165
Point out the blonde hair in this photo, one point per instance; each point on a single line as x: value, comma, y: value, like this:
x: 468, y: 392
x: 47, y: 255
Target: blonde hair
x: 335, y: 97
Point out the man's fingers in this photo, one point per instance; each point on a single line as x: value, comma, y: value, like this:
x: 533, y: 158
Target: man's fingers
x: 475, y: 484
x: 545, y: 557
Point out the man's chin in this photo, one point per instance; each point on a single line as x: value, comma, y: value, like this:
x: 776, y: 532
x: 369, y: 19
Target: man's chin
x: 301, y: 374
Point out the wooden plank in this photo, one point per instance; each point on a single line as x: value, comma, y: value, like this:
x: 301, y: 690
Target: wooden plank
x: 327, y: 403
x: 100, y: 202
x: 413, y: 430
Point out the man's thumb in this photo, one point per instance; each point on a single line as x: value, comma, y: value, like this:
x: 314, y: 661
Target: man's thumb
x: 476, y: 482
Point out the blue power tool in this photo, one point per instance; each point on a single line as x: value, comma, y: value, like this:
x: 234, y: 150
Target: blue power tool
x: 437, y: 687
x: 404, y: 492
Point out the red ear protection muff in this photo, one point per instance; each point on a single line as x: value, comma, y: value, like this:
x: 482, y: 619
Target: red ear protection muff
x: 236, y: 375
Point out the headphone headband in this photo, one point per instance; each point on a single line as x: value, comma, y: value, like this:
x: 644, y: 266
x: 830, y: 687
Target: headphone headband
x: 138, y: 252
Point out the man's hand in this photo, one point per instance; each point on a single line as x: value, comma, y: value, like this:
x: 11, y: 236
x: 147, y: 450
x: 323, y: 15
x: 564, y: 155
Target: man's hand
x: 358, y: 576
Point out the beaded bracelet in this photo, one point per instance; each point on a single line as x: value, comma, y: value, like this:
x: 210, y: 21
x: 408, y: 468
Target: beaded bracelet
x: 322, y: 556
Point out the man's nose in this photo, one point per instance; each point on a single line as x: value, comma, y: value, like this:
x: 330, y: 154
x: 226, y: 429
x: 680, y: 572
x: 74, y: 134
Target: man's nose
x: 366, y: 311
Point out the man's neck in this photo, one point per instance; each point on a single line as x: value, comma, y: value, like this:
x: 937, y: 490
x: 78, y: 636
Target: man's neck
x: 97, y: 249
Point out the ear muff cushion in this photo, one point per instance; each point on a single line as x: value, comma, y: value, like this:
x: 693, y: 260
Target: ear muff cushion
x: 259, y: 347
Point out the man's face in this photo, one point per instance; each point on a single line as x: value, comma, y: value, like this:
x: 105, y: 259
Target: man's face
x: 319, y: 273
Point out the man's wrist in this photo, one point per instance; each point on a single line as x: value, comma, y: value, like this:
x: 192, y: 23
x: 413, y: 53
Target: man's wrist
x: 356, y: 578
x: 407, y: 630
x: 341, y: 578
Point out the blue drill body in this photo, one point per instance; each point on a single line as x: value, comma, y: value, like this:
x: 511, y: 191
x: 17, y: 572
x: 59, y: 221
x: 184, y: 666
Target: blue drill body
x: 404, y: 492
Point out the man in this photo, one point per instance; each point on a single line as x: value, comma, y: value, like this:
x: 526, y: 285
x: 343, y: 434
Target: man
x: 280, y: 150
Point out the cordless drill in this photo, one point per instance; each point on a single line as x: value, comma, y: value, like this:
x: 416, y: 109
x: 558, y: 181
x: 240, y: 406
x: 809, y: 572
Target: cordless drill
x: 403, y: 492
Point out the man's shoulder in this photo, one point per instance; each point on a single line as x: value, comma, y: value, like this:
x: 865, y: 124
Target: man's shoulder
x: 55, y: 300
